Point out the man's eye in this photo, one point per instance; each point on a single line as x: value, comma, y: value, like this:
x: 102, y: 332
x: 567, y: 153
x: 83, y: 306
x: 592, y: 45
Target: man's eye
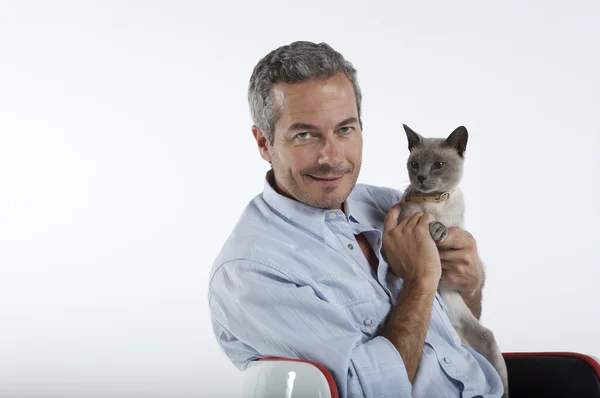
x: 415, y: 165
x: 303, y: 135
x: 345, y: 130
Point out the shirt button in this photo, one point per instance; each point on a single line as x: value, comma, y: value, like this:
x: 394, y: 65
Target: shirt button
x: 332, y: 215
x: 350, y: 246
x: 379, y: 241
x: 447, y: 360
x: 368, y: 322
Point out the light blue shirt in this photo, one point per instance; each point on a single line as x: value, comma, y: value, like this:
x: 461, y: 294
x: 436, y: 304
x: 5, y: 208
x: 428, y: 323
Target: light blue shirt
x: 291, y: 281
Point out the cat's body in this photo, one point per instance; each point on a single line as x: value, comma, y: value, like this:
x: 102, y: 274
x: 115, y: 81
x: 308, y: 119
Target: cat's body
x: 449, y: 212
x: 435, y: 170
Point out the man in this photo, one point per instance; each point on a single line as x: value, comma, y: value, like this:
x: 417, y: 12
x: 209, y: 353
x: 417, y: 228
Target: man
x: 318, y: 267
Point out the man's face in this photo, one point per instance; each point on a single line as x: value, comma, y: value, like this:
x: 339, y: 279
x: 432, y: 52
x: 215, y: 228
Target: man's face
x: 317, y: 149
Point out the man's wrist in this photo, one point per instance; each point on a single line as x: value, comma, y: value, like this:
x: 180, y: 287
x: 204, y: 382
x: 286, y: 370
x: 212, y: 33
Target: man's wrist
x: 425, y: 285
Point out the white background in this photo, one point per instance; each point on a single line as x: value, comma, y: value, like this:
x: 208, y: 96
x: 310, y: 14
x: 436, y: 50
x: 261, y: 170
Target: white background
x: 126, y: 158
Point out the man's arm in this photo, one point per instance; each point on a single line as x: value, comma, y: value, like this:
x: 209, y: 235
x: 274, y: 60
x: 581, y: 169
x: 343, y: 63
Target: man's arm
x: 413, y: 256
x: 407, y: 326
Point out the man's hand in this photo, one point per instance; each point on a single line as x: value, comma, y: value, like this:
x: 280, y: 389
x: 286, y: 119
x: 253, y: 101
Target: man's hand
x: 461, y: 267
x: 409, y: 248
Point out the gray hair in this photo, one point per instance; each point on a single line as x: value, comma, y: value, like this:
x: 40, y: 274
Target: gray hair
x: 296, y: 62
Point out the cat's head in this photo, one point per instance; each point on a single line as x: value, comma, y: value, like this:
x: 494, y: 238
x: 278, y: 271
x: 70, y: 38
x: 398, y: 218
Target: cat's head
x: 436, y: 164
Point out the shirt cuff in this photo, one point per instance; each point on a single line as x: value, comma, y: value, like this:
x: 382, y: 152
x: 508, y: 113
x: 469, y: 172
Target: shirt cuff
x: 380, y: 369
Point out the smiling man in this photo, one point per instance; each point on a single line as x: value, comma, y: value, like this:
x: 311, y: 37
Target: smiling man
x: 316, y: 156
x: 318, y: 268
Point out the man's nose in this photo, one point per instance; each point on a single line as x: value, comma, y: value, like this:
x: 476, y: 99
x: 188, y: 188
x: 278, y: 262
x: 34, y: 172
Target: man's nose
x: 331, y: 152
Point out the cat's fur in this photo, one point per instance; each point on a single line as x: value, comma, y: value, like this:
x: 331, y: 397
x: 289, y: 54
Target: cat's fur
x: 428, y: 177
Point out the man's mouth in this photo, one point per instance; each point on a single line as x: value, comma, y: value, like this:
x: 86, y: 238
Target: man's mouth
x: 327, y: 178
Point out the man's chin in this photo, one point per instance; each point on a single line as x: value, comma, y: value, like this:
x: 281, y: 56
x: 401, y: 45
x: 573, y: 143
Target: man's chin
x: 328, y: 200
x: 327, y: 205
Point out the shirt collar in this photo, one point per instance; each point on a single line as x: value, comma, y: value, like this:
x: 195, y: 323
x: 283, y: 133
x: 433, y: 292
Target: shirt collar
x: 310, y: 218
x: 361, y: 214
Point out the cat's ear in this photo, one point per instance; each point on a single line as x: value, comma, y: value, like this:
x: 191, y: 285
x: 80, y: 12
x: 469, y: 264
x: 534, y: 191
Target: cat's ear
x: 458, y: 140
x: 414, y: 139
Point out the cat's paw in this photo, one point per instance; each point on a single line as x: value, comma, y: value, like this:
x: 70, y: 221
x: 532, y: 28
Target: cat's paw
x: 438, y: 231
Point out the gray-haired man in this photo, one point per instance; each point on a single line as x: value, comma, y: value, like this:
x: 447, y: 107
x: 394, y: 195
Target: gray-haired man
x: 318, y: 268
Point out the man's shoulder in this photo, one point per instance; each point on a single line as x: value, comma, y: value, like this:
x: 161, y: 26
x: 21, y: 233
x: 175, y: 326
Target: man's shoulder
x: 380, y: 197
x: 254, y: 236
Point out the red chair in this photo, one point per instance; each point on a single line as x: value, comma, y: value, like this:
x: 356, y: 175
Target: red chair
x: 530, y: 374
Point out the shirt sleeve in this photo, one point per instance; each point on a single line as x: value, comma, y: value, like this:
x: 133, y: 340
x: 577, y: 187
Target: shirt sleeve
x: 259, y: 311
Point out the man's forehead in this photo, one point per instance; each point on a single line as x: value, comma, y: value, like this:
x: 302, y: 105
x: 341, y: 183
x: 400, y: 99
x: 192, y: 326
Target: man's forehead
x: 329, y: 101
x: 325, y: 117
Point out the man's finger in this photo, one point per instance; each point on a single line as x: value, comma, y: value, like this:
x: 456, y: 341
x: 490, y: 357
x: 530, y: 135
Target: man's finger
x: 453, y: 256
x: 391, y: 218
x: 424, y: 223
x: 457, y: 270
x: 414, y: 220
x: 456, y: 239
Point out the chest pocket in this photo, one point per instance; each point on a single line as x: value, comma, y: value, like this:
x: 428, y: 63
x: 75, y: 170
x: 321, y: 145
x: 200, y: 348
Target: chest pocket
x: 354, y: 295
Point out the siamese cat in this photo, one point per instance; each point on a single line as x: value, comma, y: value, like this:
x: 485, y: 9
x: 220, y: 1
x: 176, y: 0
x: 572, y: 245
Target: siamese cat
x: 435, y: 167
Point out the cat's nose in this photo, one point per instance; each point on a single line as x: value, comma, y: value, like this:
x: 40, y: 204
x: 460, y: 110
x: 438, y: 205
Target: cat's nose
x: 421, y: 178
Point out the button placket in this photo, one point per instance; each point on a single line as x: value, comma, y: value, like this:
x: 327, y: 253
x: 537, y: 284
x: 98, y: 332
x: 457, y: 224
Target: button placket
x: 344, y: 232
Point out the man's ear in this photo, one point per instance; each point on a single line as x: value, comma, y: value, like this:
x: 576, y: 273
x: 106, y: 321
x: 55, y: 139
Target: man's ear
x: 262, y: 142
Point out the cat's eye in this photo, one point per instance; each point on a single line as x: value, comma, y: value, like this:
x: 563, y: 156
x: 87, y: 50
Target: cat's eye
x: 415, y: 165
x: 438, y: 165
